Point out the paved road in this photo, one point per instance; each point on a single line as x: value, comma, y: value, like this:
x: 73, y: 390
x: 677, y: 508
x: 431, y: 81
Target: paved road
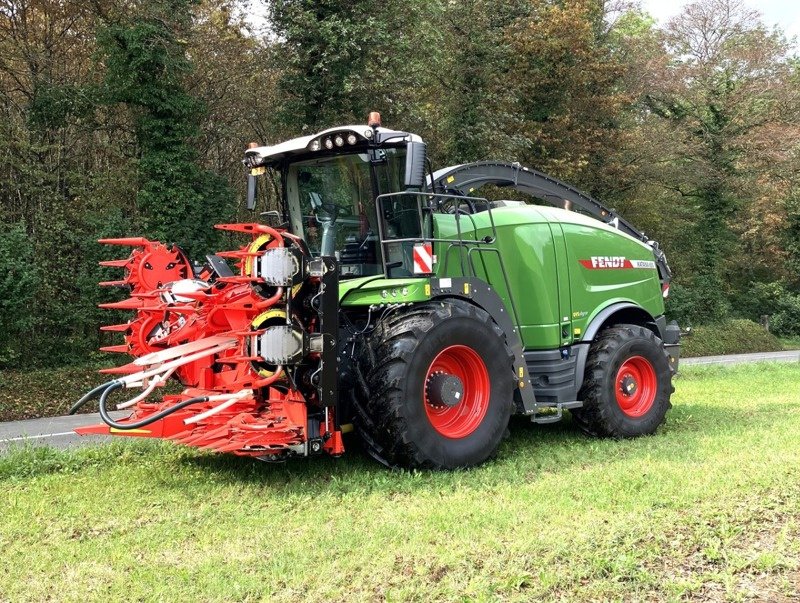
x: 790, y: 356
x: 57, y: 431
x: 54, y: 431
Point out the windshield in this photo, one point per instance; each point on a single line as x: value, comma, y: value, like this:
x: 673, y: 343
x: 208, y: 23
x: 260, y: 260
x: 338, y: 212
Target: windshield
x: 333, y: 205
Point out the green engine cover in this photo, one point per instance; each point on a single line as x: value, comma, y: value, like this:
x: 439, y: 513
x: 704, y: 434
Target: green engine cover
x: 561, y: 268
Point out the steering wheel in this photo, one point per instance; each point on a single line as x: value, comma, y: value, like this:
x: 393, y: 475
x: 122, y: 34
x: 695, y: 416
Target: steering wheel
x: 455, y: 206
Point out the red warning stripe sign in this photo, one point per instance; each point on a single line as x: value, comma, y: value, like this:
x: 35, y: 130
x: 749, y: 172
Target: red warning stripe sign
x: 423, y: 258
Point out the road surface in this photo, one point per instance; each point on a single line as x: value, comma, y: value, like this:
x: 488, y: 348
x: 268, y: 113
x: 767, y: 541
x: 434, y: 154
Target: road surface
x: 53, y: 431
x: 788, y: 356
x: 57, y: 431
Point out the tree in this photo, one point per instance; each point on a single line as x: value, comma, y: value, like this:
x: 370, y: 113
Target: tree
x: 474, y: 76
x: 344, y: 59
x: 538, y: 82
x: 62, y: 174
x: 145, y: 68
x: 721, y: 92
x: 18, y: 280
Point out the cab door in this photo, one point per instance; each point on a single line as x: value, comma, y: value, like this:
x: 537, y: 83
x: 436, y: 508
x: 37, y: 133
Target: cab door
x: 565, y: 311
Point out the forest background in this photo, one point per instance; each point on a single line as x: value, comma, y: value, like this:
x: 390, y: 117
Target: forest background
x: 130, y: 117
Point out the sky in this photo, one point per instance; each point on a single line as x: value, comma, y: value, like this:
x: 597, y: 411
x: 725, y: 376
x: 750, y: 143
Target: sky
x: 784, y: 13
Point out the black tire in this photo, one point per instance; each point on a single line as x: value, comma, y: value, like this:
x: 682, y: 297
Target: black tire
x: 394, y: 414
x: 624, y: 414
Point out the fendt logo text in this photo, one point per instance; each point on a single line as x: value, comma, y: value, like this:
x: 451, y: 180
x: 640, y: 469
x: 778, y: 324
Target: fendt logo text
x: 612, y: 262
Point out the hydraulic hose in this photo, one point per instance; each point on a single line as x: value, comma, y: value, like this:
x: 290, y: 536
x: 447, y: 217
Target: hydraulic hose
x: 148, y: 390
x: 97, y: 391
x: 114, y: 385
x: 272, y: 300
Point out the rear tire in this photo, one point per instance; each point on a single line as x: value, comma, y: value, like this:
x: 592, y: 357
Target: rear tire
x: 627, y: 384
x: 434, y: 387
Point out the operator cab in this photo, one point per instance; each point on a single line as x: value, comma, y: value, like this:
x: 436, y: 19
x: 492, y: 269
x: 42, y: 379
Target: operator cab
x: 332, y: 205
x: 331, y: 181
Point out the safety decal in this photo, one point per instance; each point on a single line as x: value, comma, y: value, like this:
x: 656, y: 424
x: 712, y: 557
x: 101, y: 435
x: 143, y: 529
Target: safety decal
x: 615, y: 262
x: 423, y: 258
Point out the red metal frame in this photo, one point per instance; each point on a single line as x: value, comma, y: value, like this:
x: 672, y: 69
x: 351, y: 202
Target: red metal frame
x: 268, y: 421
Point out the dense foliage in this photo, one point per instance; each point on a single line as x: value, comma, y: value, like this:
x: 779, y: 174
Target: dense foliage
x: 130, y: 117
x: 145, y: 64
x: 736, y: 336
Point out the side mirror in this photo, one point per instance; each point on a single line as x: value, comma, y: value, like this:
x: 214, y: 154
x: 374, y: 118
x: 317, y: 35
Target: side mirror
x: 252, y: 186
x: 416, y: 153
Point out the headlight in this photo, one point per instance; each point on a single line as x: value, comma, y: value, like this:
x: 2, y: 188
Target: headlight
x: 278, y: 267
x: 338, y: 140
x: 281, y: 345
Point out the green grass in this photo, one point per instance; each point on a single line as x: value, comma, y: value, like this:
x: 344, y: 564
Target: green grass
x: 790, y: 343
x: 708, y: 509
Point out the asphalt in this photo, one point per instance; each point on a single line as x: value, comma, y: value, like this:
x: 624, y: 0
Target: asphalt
x: 57, y: 431
x: 788, y: 356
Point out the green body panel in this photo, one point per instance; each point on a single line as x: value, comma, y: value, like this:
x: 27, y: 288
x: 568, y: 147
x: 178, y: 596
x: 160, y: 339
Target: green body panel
x: 553, y: 295
x: 595, y: 289
x: 369, y: 290
x: 561, y: 270
x: 529, y: 253
x: 564, y: 289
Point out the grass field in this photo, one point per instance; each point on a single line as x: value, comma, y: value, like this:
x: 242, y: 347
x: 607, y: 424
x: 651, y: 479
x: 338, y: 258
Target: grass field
x: 706, y: 510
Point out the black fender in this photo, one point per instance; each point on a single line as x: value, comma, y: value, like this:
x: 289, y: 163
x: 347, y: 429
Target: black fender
x: 607, y: 312
x: 483, y: 295
x: 657, y: 325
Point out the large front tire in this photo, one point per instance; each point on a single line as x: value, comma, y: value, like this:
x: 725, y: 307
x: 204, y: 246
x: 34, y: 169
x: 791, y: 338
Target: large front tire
x: 627, y: 384
x: 435, y: 387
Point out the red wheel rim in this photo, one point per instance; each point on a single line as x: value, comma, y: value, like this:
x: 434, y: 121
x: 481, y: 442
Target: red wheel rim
x: 462, y: 419
x: 635, y: 386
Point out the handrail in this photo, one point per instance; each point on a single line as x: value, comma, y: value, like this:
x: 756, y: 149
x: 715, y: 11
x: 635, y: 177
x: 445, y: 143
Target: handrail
x: 470, y: 245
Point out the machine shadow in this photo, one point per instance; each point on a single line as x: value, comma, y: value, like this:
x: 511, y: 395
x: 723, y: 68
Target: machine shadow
x: 529, y: 451
x: 303, y: 472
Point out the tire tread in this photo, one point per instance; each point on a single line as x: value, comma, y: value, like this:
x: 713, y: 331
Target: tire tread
x: 598, y: 416
x: 380, y: 368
